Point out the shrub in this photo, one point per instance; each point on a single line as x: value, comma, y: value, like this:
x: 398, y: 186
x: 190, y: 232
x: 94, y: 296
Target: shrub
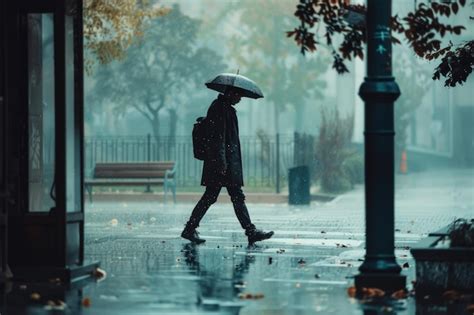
x: 332, y: 151
x: 338, y: 182
x: 354, y: 168
x: 461, y: 233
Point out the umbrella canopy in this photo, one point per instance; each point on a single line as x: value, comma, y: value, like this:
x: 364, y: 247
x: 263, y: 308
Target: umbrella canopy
x: 223, y: 81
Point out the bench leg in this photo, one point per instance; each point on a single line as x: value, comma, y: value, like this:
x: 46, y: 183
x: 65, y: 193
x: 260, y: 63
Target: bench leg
x: 148, y: 189
x: 174, y: 192
x: 165, y: 190
x: 89, y: 192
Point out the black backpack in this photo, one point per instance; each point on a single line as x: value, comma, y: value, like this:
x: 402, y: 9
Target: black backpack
x: 200, y: 138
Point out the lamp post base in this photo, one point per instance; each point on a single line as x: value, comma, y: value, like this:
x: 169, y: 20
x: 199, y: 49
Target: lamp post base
x: 388, y: 282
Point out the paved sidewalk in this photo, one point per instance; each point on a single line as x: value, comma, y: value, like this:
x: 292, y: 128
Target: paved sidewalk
x: 304, y: 269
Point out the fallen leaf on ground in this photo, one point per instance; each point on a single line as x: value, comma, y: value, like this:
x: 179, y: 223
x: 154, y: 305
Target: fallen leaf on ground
x: 100, y: 274
x: 373, y: 292
x: 352, y: 291
x: 400, y: 294
x: 250, y: 296
x: 86, y: 302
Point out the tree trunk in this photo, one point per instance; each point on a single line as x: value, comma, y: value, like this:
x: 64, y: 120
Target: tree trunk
x: 299, y: 117
x: 276, y: 115
x: 173, y: 122
x: 172, y: 132
x: 155, y: 127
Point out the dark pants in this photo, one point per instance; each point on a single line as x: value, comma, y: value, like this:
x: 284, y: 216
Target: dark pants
x: 210, y: 197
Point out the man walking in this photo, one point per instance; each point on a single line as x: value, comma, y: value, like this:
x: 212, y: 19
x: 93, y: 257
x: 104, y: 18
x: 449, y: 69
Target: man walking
x: 223, y: 167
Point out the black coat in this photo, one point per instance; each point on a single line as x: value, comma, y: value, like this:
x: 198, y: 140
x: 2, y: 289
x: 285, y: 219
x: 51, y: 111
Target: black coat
x: 224, y: 148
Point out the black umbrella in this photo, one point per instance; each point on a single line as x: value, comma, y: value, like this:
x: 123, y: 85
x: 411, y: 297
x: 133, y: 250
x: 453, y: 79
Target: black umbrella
x: 223, y: 81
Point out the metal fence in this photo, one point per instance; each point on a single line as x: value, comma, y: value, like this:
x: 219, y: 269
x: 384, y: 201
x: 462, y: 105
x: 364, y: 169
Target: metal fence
x: 265, y: 159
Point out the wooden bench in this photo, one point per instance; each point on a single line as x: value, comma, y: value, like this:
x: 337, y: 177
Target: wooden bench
x: 134, y: 174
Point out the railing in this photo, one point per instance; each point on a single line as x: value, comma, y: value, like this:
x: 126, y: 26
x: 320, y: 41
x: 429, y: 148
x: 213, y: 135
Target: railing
x: 260, y: 156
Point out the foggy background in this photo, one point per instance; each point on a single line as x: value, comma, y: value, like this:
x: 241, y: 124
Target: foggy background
x: 197, y: 40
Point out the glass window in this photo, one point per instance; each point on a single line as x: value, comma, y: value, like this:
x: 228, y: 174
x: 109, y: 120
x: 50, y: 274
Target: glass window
x: 72, y: 130
x: 41, y: 124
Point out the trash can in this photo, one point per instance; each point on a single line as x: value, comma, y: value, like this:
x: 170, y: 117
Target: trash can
x: 298, y: 185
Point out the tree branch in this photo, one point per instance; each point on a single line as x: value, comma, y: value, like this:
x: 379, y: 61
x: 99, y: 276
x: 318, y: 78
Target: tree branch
x: 143, y: 112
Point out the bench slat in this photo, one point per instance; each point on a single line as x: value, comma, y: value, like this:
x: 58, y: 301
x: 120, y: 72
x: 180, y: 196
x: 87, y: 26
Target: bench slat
x: 129, y: 174
x: 105, y: 182
x: 133, y: 174
x: 133, y: 169
x: 134, y: 165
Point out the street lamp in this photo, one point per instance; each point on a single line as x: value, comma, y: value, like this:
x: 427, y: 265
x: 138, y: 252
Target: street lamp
x: 379, y: 92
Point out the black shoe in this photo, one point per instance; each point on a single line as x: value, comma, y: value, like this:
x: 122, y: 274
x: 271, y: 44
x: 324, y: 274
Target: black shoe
x: 255, y: 235
x: 192, y: 235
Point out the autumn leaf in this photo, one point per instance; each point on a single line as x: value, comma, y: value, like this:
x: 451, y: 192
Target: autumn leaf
x: 352, y: 291
x: 400, y: 294
x: 373, y: 292
x: 86, y: 302
x: 111, y: 26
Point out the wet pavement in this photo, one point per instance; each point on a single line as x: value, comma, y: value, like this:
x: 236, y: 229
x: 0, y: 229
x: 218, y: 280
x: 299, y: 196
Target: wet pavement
x: 305, y: 268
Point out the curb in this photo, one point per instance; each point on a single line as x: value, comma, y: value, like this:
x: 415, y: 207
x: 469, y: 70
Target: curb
x: 194, y: 197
